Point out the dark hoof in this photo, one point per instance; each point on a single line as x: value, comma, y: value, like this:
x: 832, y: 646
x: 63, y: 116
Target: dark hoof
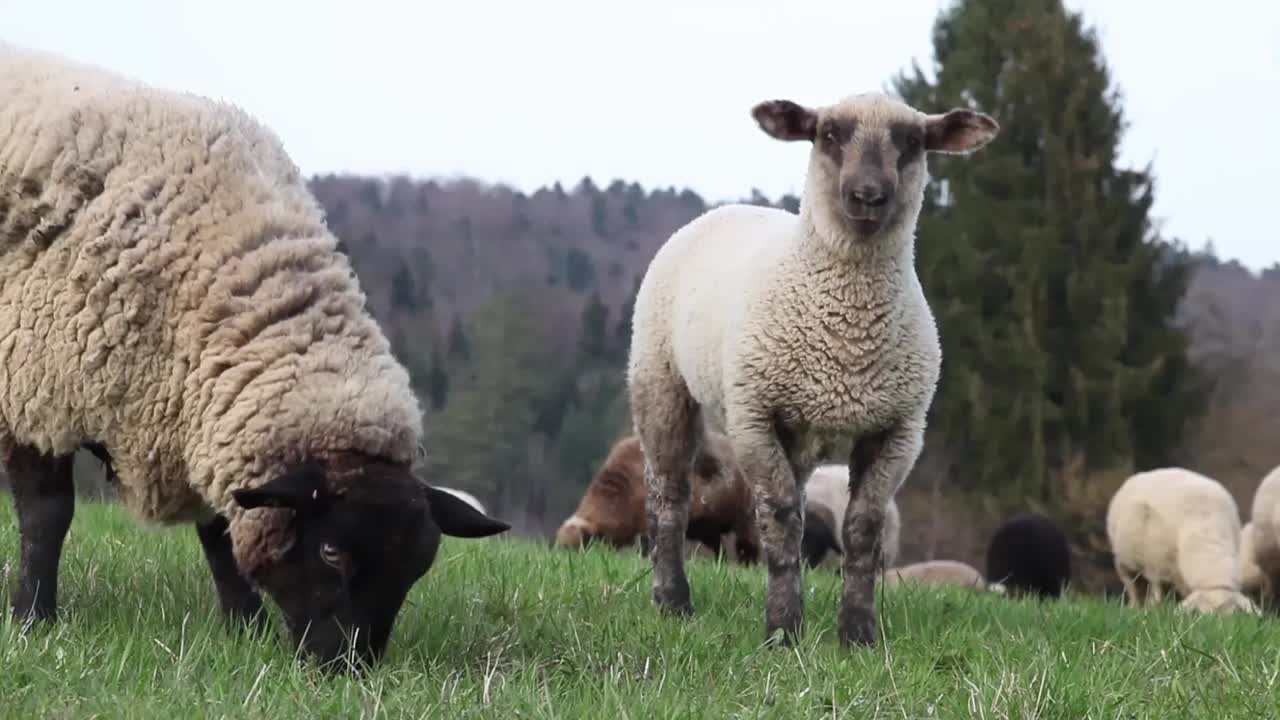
x: 858, y: 627
x: 674, y: 601
x: 24, y: 613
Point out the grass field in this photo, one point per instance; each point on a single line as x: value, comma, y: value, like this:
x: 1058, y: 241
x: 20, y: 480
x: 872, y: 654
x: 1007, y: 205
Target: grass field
x: 505, y: 629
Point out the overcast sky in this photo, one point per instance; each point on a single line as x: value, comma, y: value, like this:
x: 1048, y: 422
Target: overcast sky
x: 659, y: 91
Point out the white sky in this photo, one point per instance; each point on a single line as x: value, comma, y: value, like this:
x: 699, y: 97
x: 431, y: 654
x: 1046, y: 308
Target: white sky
x: 659, y: 91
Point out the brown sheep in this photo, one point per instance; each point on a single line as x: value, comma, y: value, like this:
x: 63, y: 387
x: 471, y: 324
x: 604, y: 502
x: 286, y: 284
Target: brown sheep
x: 613, y: 508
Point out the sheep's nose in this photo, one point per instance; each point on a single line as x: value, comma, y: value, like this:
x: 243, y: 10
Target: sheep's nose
x: 870, y: 194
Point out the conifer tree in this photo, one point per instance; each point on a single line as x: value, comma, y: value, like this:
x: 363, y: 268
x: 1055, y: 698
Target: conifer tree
x: 1054, y: 298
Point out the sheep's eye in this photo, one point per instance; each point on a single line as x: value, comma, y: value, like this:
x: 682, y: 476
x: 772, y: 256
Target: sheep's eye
x: 830, y: 136
x: 331, y: 556
x: 913, y: 141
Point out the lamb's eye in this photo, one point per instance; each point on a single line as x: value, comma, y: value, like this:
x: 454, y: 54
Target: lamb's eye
x: 913, y: 141
x: 830, y: 136
x: 330, y: 555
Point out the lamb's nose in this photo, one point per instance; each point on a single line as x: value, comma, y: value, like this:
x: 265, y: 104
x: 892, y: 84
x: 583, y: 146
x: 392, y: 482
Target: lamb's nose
x: 869, y: 194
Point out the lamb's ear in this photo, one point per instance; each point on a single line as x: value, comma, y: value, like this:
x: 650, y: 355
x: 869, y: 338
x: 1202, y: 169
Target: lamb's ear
x: 785, y: 120
x: 958, y: 131
x: 456, y: 517
x: 302, y: 488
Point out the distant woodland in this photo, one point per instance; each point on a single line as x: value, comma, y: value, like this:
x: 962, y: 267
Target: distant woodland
x: 1079, y: 345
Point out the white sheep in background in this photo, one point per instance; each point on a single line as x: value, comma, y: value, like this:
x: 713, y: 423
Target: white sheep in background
x: 826, y: 495
x: 1251, y: 577
x: 1177, y: 527
x: 1260, y: 538
x: 941, y: 572
x: 790, y: 333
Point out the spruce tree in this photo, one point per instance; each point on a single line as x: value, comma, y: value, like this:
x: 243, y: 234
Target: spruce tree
x: 1054, y: 298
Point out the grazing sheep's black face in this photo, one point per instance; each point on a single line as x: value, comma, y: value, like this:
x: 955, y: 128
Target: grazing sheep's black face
x: 361, y: 541
x: 868, y: 170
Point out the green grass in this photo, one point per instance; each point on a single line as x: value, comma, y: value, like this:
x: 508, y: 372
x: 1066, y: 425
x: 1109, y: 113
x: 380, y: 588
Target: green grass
x: 505, y: 629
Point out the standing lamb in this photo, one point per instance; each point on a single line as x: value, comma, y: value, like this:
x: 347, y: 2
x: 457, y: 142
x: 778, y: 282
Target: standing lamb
x: 171, y: 299
x: 1176, y: 527
x: 1029, y: 554
x: 826, y: 501
x: 613, y: 508
x: 941, y: 572
x: 1260, y: 554
x: 788, y: 332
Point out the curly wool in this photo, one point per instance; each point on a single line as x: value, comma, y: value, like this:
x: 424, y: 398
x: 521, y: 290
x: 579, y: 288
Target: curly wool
x: 169, y: 290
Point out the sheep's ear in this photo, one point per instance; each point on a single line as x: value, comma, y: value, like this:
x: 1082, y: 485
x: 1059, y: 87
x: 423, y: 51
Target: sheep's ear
x: 958, y: 131
x: 456, y: 517
x: 785, y: 120
x: 300, y: 489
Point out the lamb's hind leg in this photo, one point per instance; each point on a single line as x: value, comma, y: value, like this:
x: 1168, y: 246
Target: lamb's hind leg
x: 241, y: 604
x: 44, y: 498
x: 669, y: 425
x: 877, y: 467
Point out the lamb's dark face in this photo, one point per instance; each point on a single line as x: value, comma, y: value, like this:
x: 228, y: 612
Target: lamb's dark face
x: 867, y: 171
x: 360, y: 541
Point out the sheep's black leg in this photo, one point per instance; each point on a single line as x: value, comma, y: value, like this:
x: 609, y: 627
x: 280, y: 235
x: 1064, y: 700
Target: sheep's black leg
x: 241, y: 604
x: 44, y: 498
x: 877, y: 467
x: 669, y: 425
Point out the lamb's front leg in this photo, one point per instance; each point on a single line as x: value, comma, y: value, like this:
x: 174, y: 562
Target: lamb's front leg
x: 877, y: 466
x: 778, y: 502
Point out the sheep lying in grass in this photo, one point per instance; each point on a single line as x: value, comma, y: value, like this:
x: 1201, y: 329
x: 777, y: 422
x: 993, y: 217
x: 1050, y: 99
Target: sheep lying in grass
x: 941, y: 572
x: 792, y: 332
x: 613, y: 508
x: 826, y: 503
x: 1176, y: 527
x: 1029, y: 555
x: 171, y: 299
x: 1260, y: 538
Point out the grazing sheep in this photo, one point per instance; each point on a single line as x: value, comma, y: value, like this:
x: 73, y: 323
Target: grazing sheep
x: 613, y: 508
x: 171, y: 299
x: 941, y: 572
x: 1176, y: 527
x: 466, y: 497
x: 793, y: 333
x: 1029, y: 554
x: 1260, y: 556
x: 826, y: 501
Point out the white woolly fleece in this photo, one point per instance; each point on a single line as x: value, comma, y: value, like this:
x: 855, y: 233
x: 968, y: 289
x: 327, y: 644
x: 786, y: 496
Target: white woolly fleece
x: 1176, y: 527
x: 941, y: 572
x: 1260, y: 553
